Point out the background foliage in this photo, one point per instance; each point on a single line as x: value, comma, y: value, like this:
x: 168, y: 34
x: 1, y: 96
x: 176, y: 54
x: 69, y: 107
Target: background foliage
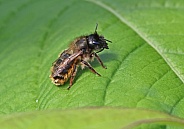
x: 144, y: 63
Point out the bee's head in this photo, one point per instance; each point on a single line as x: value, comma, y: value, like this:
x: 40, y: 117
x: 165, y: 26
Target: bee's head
x: 96, y: 42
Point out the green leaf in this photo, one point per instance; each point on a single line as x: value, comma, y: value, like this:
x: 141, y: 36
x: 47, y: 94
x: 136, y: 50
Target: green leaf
x: 144, y: 63
x: 108, y: 118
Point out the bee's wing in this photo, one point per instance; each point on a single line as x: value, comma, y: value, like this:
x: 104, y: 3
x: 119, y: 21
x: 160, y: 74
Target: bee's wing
x: 65, y: 64
x: 62, y: 56
x: 72, y: 57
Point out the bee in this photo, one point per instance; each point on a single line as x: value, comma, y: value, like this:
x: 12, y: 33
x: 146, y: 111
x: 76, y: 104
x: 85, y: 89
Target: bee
x: 80, y: 51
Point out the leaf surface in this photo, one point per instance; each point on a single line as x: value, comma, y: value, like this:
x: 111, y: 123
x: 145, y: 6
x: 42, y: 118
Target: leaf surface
x: 144, y: 62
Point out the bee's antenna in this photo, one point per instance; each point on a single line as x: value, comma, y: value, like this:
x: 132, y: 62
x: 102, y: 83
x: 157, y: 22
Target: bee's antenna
x: 96, y: 27
x: 108, y: 40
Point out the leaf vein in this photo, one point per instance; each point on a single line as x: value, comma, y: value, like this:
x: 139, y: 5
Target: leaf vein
x: 136, y: 30
x: 177, y: 102
x: 151, y: 86
x: 42, y: 44
x: 12, y: 14
x: 117, y: 69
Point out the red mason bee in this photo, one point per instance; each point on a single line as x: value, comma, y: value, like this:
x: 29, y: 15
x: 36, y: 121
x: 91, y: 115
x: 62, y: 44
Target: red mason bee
x: 80, y: 51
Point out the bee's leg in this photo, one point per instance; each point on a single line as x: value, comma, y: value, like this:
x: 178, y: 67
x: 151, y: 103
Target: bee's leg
x: 90, y: 67
x: 99, y: 60
x: 72, y: 76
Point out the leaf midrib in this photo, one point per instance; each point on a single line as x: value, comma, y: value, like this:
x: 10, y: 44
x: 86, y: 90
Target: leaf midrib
x: 138, y: 32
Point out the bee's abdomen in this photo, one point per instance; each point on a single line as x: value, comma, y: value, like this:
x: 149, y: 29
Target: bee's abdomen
x: 61, y: 72
x: 62, y: 77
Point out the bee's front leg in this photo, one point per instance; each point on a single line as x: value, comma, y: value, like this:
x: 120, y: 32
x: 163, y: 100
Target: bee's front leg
x: 90, y: 67
x: 99, y: 60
